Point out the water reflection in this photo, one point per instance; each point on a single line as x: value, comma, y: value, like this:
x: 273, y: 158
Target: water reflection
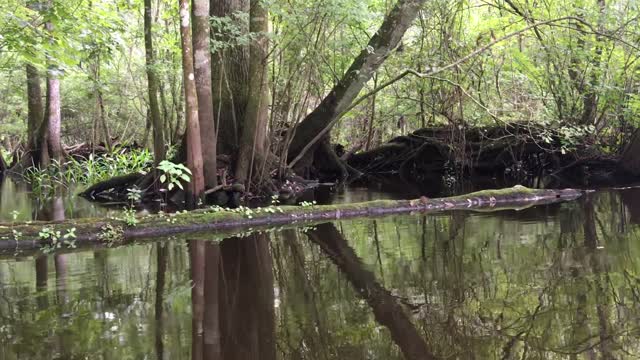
x: 17, y: 203
x: 549, y: 282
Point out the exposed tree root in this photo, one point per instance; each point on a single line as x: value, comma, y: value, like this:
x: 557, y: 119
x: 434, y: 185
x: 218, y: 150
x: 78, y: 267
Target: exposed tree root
x: 516, y: 152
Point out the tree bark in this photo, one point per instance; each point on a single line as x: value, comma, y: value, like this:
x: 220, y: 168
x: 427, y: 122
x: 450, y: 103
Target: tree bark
x: 253, y: 134
x: 152, y: 85
x: 100, y: 120
x: 194, y: 147
x: 322, y: 118
x: 230, y: 78
x: 53, y: 110
x: 35, y: 113
x: 202, y: 57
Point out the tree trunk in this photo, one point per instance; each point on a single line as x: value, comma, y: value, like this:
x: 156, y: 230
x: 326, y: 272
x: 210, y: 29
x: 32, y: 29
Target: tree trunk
x: 194, y: 147
x: 152, y: 81
x: 35, y: 114
x: 332, y: 107
x: 202, y: 56
x: 53, y: 117
x: 230, y: 78
x: 3, y: 166
x: 253, y: 134
x: 100, y: 120
x: 590, y: 97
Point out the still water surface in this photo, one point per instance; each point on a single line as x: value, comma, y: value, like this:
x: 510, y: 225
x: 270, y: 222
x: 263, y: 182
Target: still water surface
x: 550, y: 282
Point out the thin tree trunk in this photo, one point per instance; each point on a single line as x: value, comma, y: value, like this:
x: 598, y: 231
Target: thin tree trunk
x: 372, y: 118
x: 156, y: 121
x: 590, y: 97
x: 252, y: 139
x: 194, y: 147
x: 322, y: 118
x: 202, y: 56
x: 53, y: 108
x: 100, y: 117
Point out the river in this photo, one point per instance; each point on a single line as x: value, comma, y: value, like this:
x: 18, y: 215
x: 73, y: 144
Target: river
x: 549, y: 282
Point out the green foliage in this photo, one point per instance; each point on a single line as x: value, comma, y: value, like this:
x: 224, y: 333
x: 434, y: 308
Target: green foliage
x: 55, y: 240
x: 129, y: 216
x: 89, y: 171
x: 173, y: 174
x: 111, y: 234
x: 134, y: 195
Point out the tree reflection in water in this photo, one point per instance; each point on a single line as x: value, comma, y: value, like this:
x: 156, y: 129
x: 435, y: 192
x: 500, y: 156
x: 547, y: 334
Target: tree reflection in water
x: 542, y: 283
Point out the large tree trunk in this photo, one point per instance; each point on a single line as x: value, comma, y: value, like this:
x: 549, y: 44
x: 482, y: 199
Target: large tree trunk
x: 256, y: 115
x: 322, y: 118
x: 202, y: 57
x: 35, y: 114
x: 152, y: 81
x: 194, y: 147
x: 230, y: 79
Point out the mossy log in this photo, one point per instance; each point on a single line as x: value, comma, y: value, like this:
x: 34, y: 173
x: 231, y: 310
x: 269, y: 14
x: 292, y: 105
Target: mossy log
x: 29, y: 235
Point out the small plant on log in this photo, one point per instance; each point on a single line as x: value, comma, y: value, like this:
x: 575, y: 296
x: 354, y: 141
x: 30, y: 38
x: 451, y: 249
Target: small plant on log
x: 55, y: 239
x: 130, y: 217
x: 134, y: 195
x: 173, y: 174
x: 111, y: 234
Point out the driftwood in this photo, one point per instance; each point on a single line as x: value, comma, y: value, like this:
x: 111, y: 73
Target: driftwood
x: 113, y: 231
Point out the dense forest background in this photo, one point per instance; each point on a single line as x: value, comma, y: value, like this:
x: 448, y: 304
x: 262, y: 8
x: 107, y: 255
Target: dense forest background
x: 565, y: 70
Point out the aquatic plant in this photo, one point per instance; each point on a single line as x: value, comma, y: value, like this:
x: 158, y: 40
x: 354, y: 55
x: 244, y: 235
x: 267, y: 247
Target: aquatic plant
x: 88, y: 171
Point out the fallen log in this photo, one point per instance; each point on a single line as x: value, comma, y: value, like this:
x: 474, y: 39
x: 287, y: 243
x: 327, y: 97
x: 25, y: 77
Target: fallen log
x: 52, y: 235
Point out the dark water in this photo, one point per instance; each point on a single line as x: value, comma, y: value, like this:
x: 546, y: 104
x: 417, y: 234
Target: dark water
x: 551, y: 282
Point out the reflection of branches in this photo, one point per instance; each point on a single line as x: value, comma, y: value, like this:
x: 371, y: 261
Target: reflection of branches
x: 386, y: 309
x: 291, y: 239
